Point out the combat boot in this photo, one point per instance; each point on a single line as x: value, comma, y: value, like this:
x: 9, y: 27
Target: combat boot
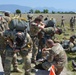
x: 17, y: 70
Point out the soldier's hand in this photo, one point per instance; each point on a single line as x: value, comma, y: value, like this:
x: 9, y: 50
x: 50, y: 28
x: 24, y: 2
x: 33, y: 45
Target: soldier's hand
x: 10, y: 43
x: 44, y: 49
x: 16, y: 50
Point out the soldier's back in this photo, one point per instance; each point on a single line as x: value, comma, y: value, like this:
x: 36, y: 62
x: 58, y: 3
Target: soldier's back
x: 3, y: 26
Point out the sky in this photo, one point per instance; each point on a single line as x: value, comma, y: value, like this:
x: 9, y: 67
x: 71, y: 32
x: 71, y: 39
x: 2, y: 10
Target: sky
x: 58, y: 4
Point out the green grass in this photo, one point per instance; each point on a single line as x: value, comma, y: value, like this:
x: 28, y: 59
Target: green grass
x: 71, y: 56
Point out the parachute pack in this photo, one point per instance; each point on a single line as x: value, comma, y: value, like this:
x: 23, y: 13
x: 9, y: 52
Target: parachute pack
x: 18, y: 23
x: 50, y: 23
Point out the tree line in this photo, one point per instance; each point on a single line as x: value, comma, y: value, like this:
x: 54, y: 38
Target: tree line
x: 45, y: 11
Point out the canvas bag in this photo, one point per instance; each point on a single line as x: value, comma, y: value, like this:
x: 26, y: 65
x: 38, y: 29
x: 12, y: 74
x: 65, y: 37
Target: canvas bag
x: 18, y: 24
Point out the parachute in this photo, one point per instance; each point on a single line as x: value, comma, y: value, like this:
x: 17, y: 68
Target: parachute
x: 50, y: 23
x: 18, y: 23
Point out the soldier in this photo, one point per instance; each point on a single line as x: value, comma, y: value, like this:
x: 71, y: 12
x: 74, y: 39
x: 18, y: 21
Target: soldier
x: 56, y: 57
x: 41, y: 17
x: 73, y: 42
x: 50, y: 31
x: 72, y: 24
x: 72, y: 39
x: 5, y: 20
x: 41, y: 44
x: 35, y: 28
x: 30, y: 17
x: 62, y: 21
x: 74, y: 21
x: 22, y: 44
x: 3, y: 26
x: 65, y: 43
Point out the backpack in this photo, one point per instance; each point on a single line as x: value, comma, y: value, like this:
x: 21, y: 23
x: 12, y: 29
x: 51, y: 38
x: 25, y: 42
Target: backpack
x: 17, y: 23
x: 50, y: 23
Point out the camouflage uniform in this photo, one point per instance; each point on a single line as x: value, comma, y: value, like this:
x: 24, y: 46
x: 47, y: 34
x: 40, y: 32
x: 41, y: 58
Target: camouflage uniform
x: 62, y: 21
x: 49, y: 32
x: 73, y: 43
x: 35, y: 28
x: 57, y: 56
x: 3, y: 26
x: 25, y: 52
x: 72, y: 24
x: 41, y: 44
x: 74, y: 20
x: 35, y: 48
x: 33, y: 33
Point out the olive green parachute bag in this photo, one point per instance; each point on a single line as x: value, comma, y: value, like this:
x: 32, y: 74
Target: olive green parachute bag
x: 18, y: 24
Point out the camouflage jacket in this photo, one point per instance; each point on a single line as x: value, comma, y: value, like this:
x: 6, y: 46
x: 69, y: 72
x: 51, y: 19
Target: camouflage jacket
x: 49, y: 30
x: 3, y: 26
x: 57, y: 54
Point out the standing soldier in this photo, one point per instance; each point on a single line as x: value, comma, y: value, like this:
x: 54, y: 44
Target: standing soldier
x: 3, y: 26
x: 72, y: 24
x: 29, y: 16
x: 74, y: 21
x: 35, y: 28
x: 62, y: 21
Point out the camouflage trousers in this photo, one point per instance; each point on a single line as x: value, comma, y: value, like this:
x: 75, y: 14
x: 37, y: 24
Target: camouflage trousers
x: 35, y: 48
x: 14, y: 61
x: 8, y: 60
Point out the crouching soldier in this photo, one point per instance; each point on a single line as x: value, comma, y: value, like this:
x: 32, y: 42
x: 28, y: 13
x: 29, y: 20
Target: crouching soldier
x: 56, y: 57
x: 21, y: 43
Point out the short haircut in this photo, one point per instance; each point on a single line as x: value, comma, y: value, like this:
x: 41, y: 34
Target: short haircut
x: 49, y: 41
x: 38, y: 19
x: 6, y: 14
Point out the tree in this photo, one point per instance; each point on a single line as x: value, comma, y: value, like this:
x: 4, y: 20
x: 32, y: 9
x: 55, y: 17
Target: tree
x: 53, y: 12
x: 31, y: 11
x: 18, y: 11
x: 45, y: 11
x: 58, y: 12
x: 37, y: 11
